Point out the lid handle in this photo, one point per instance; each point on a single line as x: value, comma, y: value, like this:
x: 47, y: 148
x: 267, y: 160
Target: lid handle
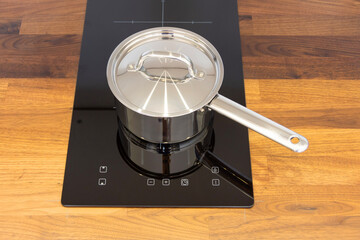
x: 192, y: 72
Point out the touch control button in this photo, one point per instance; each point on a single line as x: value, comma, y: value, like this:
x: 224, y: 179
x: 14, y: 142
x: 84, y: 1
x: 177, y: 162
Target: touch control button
x: 215, y: 182
x: 215, y: 169
x: 103, y: 169
x: 166, y: 182
x: 150, y: 182
x: 102, y: 181
x: 184, y: 182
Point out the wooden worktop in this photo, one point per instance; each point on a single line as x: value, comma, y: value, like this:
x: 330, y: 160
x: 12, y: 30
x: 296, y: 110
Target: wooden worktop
x: 302, y: 69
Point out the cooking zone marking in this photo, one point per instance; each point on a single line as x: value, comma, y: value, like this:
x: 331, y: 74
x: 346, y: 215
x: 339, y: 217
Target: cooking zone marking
x: 162, y: 22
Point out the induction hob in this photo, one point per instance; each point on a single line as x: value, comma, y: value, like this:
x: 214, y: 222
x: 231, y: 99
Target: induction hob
x: 97, y: 171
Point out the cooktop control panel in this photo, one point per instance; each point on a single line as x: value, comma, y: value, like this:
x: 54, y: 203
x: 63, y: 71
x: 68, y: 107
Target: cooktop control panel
x: 164, y: 182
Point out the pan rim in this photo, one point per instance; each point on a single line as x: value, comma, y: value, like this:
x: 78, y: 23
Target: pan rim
x: 152, y: 33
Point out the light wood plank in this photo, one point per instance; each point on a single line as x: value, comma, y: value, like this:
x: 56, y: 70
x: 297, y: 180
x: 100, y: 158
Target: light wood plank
x: 295, y: 227
x: 72, y: 24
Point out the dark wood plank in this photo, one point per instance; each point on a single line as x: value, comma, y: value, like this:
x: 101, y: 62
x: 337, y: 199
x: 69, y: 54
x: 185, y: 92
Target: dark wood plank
x: 50, y: 8
x: 35, y: 66
x: 299, y: 67
x: 9, y: 26
x: 301, y: 25
x: 40, y: 45
x: 300, y: 46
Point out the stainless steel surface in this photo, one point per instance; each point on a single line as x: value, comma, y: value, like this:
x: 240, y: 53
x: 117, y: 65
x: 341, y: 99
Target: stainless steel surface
x: 165, y: 72
x: 165, y: 78
x: 165, y: 159
x: 164, y: 130
x: 259, y: 123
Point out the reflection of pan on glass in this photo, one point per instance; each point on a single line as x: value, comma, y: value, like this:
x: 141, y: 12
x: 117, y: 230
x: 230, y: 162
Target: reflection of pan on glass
x: 166, y: 81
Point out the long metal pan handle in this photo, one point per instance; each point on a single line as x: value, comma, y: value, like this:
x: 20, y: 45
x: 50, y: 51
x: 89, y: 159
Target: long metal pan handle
x: 259, y: 123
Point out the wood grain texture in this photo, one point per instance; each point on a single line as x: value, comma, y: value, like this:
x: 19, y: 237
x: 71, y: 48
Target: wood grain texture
x: 35, y: 8
x: 301, y: 25
x: 9, y: 26
x: 296, y: 7
x: 300, y: 46
x: 72, y: 24
x: 266, y: 67
x: 301, y: 63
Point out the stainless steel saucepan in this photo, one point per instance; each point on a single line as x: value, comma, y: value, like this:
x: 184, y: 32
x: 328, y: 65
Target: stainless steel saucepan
x: 166, y: 82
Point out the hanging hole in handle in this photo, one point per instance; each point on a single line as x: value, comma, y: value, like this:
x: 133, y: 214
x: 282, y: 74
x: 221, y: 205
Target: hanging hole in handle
x: 294, y: 140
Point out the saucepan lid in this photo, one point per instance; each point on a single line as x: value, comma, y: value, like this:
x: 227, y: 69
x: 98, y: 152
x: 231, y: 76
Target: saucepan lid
x: 165, y: 72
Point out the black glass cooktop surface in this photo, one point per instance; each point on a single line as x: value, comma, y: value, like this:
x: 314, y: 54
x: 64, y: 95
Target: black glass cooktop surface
x: 98, y: 170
